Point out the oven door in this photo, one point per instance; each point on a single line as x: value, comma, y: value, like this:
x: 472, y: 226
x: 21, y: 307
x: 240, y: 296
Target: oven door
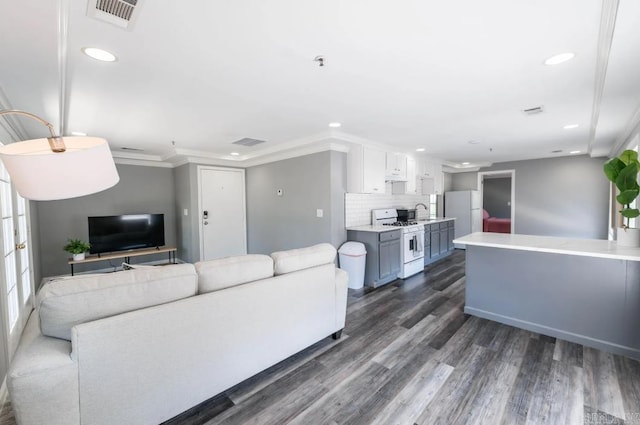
x: 413, y: 246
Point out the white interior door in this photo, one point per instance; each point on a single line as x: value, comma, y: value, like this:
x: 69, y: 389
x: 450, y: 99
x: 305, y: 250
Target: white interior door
x: 222, y: 212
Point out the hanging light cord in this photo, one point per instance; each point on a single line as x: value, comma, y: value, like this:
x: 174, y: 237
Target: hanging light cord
x: 55, y: 142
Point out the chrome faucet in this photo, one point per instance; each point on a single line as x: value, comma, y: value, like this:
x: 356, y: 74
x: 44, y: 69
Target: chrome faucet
x: 420, y: 203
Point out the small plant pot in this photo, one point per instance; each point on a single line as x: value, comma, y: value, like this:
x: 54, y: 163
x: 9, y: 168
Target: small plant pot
x: 628, y: 237
x: 78, y: 257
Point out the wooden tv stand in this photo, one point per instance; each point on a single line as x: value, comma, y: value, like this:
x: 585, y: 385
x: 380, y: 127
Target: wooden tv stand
x: 126, y: 255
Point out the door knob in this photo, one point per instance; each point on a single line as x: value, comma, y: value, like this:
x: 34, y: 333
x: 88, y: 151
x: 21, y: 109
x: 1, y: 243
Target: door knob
x: 21, y: 246
x: 206, y: 222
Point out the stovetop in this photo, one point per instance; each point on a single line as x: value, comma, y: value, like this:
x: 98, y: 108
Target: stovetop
x: 401, y: 223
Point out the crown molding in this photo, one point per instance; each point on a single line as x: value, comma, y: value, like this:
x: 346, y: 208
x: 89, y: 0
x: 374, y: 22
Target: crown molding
x: 452, y: 167
x: 605, y: 39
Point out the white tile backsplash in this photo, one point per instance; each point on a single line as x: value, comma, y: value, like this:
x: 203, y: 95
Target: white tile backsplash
x: 358, y: 206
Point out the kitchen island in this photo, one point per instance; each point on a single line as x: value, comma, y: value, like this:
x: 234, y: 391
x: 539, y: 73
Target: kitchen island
x: 580, y: 290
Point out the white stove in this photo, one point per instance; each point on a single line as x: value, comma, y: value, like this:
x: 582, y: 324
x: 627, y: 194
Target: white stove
x: 412, y: 246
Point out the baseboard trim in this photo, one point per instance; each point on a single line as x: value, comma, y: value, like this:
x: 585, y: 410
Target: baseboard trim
x: 557, y: 333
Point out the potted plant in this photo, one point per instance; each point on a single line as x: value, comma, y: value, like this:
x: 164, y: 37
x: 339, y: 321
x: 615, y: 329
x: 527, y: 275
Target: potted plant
x: 623, y: 172
x: 77, y: 248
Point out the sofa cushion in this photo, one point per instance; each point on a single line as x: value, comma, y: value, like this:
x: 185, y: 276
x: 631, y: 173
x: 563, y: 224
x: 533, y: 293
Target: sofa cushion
x: 214, y: 275
x: 65, y: 303
x: 303, y: 258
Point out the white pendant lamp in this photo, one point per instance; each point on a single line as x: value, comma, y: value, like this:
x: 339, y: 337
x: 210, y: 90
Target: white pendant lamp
x: 58, y: 167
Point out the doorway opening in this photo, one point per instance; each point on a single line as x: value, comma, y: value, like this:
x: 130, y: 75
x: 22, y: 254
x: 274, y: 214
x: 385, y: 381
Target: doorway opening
x: 497, y: 200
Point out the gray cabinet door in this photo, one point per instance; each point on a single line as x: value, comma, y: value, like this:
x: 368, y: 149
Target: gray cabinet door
x: 444, y: 241
x: 389, y: 258
x: 435, y: 244
x: 452, y: 234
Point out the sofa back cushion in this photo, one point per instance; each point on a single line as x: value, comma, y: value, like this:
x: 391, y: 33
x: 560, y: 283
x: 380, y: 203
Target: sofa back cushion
x: 214, y: 275
x: 303, y: 258
x: 64, y: 303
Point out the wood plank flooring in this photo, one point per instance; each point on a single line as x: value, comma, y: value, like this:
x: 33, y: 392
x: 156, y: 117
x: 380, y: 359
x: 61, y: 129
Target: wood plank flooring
x: 409, y: 355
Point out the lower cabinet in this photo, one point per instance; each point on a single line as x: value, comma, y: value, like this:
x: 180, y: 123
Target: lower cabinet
x: 383, y: 255
x: 438, y: 240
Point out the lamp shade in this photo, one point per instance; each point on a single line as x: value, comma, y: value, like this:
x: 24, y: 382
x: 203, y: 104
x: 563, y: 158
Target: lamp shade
x: 42, y: 175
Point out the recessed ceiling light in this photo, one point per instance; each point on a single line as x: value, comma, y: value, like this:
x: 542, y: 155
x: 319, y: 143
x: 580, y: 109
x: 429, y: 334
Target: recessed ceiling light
x: 558, y: 59
x: 466, y: 163
x: 420, y: 150
x: 235, y: 153
x: 78, y: 133
x: 570, y: 126
x: 574, y: 152
x: 334, y: 124
x: 99, y: 54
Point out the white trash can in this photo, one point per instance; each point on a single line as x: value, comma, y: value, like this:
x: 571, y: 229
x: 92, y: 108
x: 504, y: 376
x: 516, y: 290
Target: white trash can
x: 353, y: 257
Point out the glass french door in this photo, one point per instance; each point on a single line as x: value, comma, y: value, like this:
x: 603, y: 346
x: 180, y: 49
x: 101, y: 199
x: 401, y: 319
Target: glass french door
x: 15, y: 266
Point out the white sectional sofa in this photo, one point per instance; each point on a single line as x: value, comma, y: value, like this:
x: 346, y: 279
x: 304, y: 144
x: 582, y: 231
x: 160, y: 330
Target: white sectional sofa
x: 143, y: 345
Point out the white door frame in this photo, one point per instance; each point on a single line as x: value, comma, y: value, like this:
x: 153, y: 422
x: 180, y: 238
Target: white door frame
x: 501, y: 173
x: 199, y: 169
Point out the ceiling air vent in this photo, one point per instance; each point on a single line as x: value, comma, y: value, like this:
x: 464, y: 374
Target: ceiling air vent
x: 533, y: 111
x: 121, y: 13
x: 124, y: 148
x: 248, y: 142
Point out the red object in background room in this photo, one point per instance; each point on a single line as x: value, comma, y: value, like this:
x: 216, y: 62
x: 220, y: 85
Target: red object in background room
x: 495, y: 225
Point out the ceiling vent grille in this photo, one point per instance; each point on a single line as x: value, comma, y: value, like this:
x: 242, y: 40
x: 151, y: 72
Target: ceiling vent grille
x: 248, y: 142
x: 121, y: 13
x: 533, y: 111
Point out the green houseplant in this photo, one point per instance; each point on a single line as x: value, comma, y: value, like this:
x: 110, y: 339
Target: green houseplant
x: 623, y: 172
x: 77, y: 248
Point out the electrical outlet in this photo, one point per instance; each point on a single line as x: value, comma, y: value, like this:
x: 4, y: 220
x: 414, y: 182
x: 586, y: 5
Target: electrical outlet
x: 319, y: 213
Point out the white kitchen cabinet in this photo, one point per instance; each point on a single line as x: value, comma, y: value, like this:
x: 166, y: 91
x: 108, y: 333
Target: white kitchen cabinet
x: 366, y: 169
x: 407, y: 187
x: 396, y: 168
x: 430, y: 172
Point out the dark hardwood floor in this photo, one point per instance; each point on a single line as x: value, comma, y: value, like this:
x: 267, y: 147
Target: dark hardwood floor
x: 409, y: 355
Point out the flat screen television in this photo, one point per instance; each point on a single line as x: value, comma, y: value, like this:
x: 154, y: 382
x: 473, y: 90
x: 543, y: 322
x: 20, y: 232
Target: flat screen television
x: 125, y: 232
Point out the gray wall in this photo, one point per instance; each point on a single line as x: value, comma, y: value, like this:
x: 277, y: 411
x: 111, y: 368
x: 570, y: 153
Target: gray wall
x: 567, y: 196
x: 497, y: 197
x: 309, y: 182
x: 464, y: 181
x: 187, y: 232
x: 140, y: 190
x: 447, y: 182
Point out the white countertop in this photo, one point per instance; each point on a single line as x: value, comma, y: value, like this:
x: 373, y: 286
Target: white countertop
x: 557, y: 245
x: 380, y: 229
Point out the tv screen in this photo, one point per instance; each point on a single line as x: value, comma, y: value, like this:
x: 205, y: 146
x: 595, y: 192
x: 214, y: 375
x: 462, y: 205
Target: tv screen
x: 125, y: 232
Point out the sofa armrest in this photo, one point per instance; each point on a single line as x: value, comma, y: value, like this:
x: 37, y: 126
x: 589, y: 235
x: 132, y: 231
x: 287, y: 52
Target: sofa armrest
x: 342, y: 280
x: 43, y: 379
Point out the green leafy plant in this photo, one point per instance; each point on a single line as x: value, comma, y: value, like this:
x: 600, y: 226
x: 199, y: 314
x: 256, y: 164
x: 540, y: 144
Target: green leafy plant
x: 76, y: 246
x: 623, y: 171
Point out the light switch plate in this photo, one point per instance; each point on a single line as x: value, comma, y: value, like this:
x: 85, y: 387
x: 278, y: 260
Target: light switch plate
x: 319, y: 213
x: 185, y: 212
x: 279, y: 192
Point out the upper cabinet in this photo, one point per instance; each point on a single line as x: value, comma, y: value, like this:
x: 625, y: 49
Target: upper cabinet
x: 396, y: 166
x: 407, y: 187
x: 430, y: 172
x: 366, y: 170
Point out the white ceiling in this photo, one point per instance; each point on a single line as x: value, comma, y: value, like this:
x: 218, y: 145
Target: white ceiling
x: 407, y: 74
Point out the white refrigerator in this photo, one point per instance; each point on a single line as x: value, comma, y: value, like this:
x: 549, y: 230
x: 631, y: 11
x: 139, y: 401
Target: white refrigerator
x: 464, y: 205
